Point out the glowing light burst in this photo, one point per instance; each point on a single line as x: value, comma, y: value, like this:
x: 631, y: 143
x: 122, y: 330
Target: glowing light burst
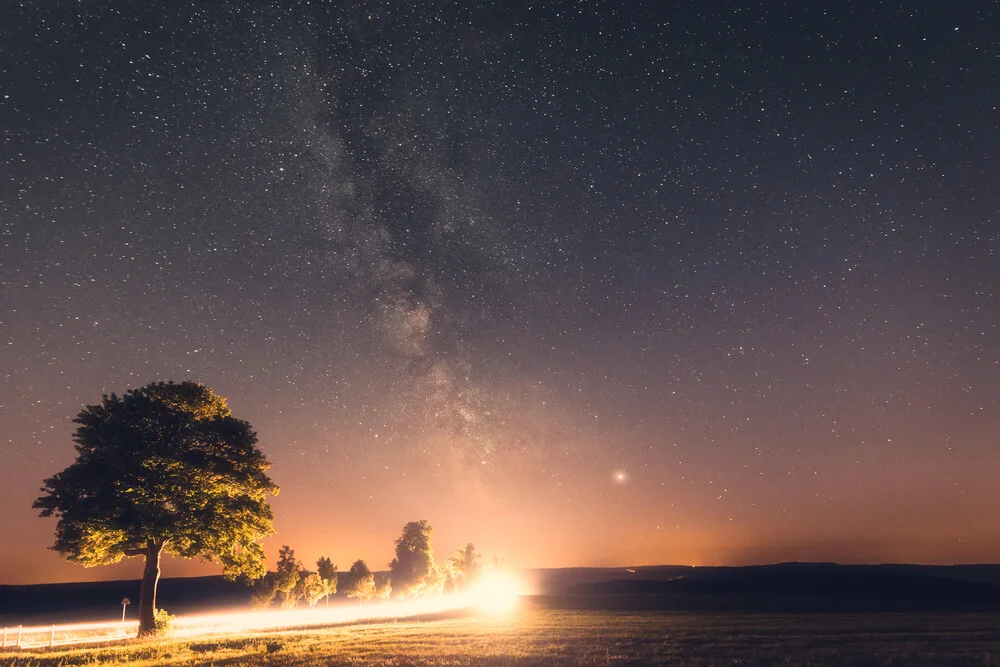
x: 495, y: 592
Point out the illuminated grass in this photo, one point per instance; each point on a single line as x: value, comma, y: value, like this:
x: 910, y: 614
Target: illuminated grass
x: 536, y: 636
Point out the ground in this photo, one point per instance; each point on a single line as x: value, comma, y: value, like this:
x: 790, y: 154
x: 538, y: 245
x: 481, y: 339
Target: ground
x: 539, y: 636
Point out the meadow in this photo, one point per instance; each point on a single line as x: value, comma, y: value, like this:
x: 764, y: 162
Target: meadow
x: 536, y: 635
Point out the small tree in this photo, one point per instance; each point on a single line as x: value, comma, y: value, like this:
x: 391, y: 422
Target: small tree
x: 162, y: 469
x: 311, y: 588
x: 362, y: 582
x: 287, y: 576
x: 263, y: 593
x: 383, y: 587
x: 464, y: 565
x: 328, y: 573
x: 413, y: 567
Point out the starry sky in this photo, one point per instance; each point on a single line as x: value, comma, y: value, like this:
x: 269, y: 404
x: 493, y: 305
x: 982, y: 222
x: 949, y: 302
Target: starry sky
x: 584, y: 283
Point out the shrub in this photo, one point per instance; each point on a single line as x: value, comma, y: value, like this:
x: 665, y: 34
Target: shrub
x: 163, y: 621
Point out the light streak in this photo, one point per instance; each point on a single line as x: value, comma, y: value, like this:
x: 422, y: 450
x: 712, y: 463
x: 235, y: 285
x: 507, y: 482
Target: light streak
x: 494, y: 592
x: 65, y: 634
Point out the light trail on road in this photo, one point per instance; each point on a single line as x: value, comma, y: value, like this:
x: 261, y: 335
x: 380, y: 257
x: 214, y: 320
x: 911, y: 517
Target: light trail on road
x: 66, y: 634
x: 494, y: 594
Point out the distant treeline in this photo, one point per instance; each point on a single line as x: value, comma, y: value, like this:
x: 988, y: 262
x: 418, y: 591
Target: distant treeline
x: 412, y: 573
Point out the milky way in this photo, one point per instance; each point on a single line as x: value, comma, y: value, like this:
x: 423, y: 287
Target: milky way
x: 585, y: 284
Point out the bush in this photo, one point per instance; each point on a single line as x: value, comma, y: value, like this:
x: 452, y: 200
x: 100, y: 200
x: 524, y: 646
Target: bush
x: 163, y: 620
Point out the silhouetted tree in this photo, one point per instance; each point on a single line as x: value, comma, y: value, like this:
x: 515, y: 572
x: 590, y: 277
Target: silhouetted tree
x: 464, y: 565
x: 162, y: 469
x: 328, y: 573
x: 287, y: 576
x: 362, y: 582
x: 383, y: 587
x: 263, y: 593
x: 413, y: 567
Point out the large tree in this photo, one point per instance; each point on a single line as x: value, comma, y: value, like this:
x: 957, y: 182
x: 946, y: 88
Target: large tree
x: 413, y: 567
x: 162, y: 469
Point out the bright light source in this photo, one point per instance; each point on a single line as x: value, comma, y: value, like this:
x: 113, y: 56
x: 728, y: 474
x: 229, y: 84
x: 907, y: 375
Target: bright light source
x: 496, y: 592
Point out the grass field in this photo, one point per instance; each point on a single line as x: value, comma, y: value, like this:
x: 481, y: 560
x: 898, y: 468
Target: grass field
x: 535, y: 635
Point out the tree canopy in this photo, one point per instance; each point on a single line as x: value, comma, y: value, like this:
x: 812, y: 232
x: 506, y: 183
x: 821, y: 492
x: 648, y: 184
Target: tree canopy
x: 362, y: 582
x: 326, y: 568
x: 413, y: 567
x: 327, y: 572
x: 287, y: 576
x: 162, y: 469
x: 465, y: 564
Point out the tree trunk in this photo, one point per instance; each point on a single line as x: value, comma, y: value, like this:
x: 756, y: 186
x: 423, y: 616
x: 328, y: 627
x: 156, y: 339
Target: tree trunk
x: 147, y: 593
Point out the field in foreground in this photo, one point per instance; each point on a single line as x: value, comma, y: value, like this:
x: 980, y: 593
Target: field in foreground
x: 534, y: 635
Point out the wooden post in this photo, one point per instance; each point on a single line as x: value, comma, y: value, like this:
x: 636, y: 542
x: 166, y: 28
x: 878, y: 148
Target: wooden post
x: 4, y: 638
x: 19, y: 628
x: 52, y: 637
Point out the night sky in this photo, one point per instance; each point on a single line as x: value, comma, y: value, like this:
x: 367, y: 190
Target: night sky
x: 584, y: 283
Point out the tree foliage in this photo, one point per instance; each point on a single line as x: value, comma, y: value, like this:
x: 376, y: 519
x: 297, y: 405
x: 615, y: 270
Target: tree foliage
x: 312, y: 588
x: 287, y: 576
x: 162, y: 469
x: 383, y: 587
x: 464, y: 565
x: 362, y: 582
x: 413, y: 567
x: 163, y: 621
x: 327, y: 571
